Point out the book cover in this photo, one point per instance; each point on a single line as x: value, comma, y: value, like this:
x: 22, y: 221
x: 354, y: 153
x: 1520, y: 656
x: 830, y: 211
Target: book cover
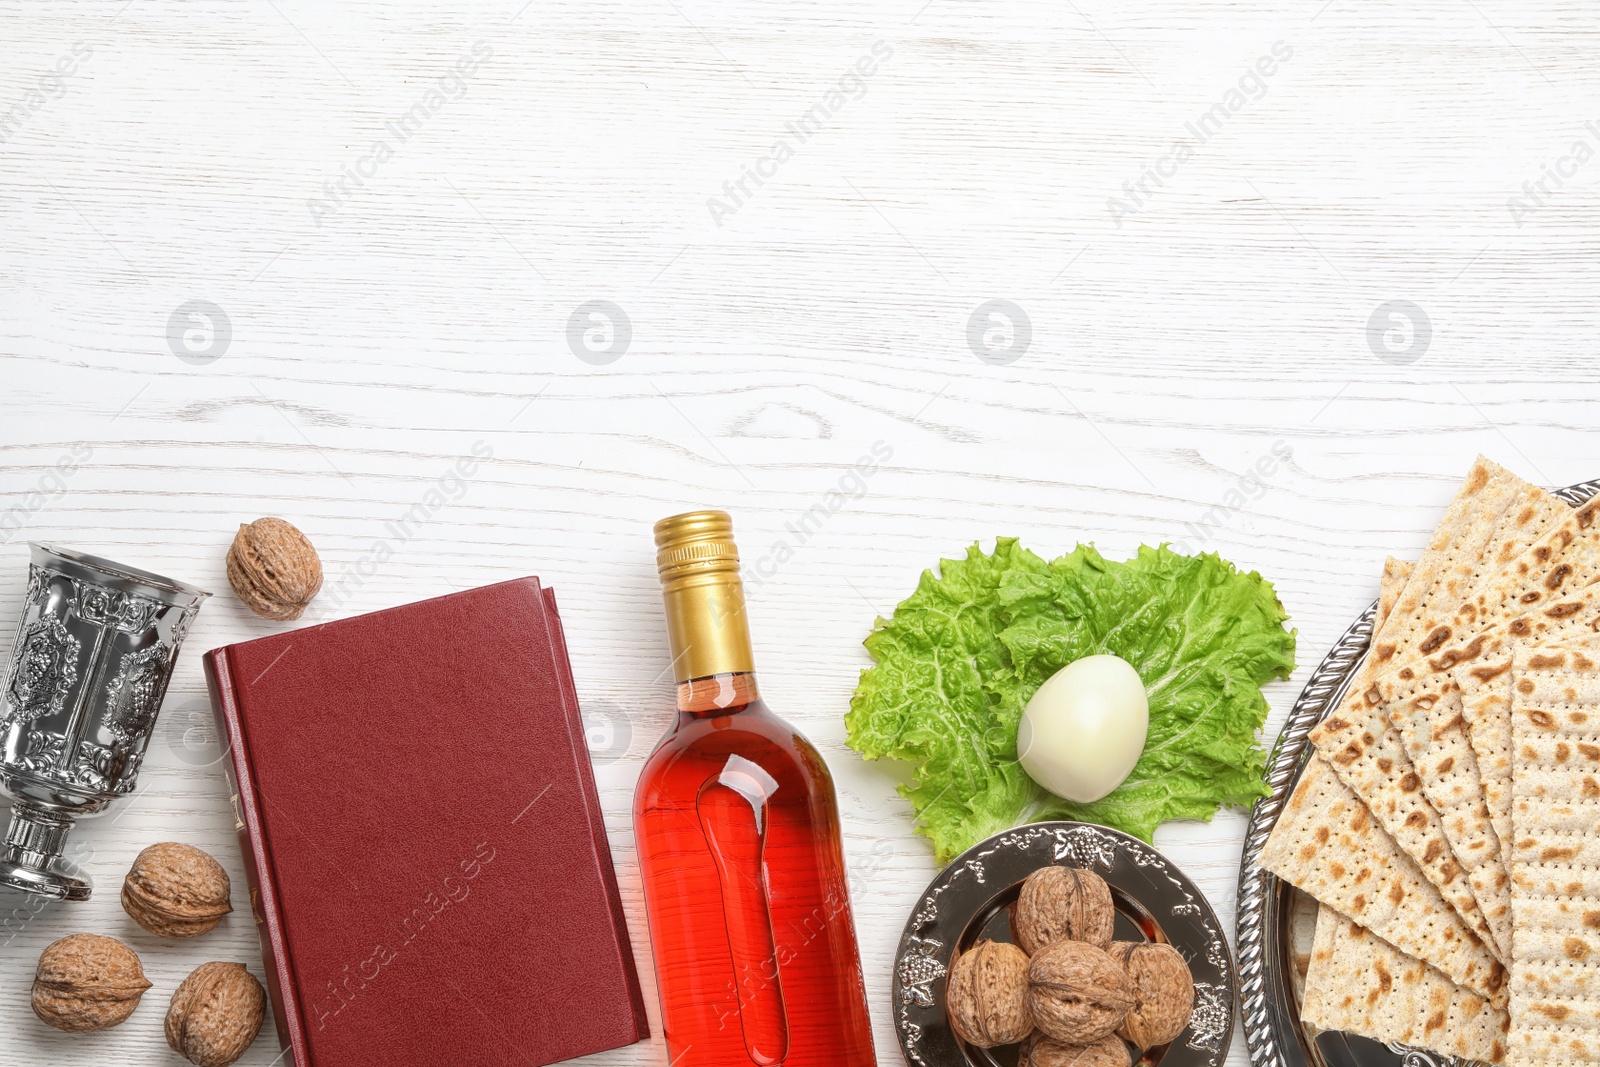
x: 424, y: 845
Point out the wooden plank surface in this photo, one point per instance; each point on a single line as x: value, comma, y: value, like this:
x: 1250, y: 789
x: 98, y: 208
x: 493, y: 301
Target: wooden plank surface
x: 1226, y: 223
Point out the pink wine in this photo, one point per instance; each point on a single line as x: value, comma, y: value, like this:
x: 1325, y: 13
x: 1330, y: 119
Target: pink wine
x: 739, y: 846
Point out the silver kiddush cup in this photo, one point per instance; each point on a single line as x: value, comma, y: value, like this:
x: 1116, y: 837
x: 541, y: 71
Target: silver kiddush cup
x: 93, y: 656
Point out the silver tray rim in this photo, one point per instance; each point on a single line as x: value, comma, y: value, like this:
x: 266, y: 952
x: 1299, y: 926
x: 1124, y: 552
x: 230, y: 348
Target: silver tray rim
x: 1272, y: 1029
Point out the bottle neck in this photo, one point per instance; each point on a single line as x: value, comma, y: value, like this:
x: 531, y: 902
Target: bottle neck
x: 720, y: 692
x: 706, y: 625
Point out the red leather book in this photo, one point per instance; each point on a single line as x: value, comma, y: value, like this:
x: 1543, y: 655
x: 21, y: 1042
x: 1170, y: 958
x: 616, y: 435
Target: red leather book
x: 426, y: 855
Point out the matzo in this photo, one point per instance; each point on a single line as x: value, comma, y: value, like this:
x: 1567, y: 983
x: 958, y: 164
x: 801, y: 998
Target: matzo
x: 1485, y: 691
x: 1373, y: 764
x: 1495, y: 520
x: 1361, y: 984
x: 1327, y: 844
x: 1396, y: 572
x: 1555, y: 857
x: 1458, y: 798
x: 1496, y: 517
x: 1489, y: 884
x: 1447, y: 769
x: 1486, y: 707
x: 1564, y: 559
x: 1426, y: 705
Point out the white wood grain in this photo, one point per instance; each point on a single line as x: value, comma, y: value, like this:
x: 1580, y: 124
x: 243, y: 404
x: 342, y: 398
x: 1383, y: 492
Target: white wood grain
x: 375, y: 343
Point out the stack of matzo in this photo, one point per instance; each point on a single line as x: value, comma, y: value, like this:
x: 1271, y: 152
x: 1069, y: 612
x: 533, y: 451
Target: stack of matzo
x: 1448, y: 820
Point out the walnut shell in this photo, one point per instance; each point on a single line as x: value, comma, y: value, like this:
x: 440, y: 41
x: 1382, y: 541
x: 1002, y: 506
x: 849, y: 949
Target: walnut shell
x: 215, y: 1014
x: 1042, y: 1051
x: 1063, y: 903
x: 1163, y: 992
x: 987, y: 995
x: 176, y: 890
x: 87, y: 982
x: 274, y: 569
x: 1077, y: 994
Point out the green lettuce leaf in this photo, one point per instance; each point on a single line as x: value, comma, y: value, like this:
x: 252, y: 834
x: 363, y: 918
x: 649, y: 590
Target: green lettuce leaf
x: 956, y: 665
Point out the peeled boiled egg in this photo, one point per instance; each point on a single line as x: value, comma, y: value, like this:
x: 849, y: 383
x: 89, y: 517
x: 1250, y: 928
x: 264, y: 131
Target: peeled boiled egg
x: 1085, y: 727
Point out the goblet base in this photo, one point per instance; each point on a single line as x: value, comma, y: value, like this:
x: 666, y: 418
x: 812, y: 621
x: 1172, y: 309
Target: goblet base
x: 50, y: 881
x: 31, y: 859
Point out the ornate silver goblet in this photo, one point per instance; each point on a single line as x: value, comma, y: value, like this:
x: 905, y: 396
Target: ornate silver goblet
x: 92, y: 659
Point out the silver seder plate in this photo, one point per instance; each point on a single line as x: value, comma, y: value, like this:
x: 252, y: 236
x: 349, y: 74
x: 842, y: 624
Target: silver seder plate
x: 1276, y: 921
x: 970, y: 900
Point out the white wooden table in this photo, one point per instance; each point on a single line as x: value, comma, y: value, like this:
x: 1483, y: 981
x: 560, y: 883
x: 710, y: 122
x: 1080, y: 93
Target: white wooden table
x: 290, y: 258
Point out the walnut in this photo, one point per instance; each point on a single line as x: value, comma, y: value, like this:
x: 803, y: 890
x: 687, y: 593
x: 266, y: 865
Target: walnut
x: 1076, y: 993
x: 1059, y: 903
x: 1163, y: 992
x: 176, y: 890
x: 274, y: 569
x: 87, y: 982
x: 215, y: 1014
x: 987, y: 995
x: 1041, y: 1051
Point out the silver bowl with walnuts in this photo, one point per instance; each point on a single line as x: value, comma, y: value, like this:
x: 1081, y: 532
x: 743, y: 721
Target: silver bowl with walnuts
x: 1063, y: 943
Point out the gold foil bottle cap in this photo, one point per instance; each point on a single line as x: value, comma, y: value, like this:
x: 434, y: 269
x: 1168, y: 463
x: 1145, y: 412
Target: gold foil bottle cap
x: 699, y: 568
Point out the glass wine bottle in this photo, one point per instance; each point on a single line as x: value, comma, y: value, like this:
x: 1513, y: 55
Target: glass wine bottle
x: 739, y: 846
